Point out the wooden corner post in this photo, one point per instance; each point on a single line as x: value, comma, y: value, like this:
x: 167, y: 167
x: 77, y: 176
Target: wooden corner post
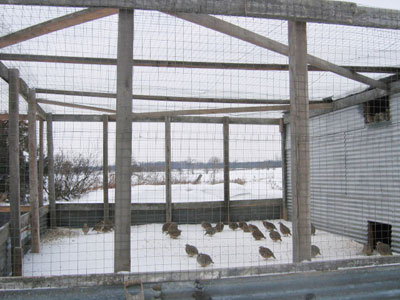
x: 33, y: 173
x: 226, y: 170
x: 284, y: 211
x: 50, y: 171
x: 299, y: 133
x: 123, y: 171
x: 105, y: 169
x: 168, y: 206
x: 41, y: 162
x: 13, y: 148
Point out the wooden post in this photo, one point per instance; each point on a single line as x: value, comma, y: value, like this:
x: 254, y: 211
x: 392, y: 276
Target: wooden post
x: 33, y: 174
x: 41, y: 162
x: 123, y: 171
x: 226, y: 169
x: 168, y: 206
x: 50, y: 170
x: 299, y: 133
x: 13, y: 148
x: 105, y: 169
x: 284, y: 212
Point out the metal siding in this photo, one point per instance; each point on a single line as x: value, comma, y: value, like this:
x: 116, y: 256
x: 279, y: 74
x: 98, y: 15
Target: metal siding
x: 355, y: 172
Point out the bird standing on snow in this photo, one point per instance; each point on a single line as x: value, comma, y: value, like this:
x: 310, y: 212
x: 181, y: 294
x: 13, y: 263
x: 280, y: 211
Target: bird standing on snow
x: 233, y: 225
x: 85, y: 229
x: 205, y: 225
x: 210, y: 231
x: 99, y: 226
x: 165, y: 227
x: 257, y: 234
x: 315, y: 251
x: 285, y: 230
x: 204, y: 260
x: 275, y: 236
x: 269, y: 226
x: 241, y: 224
x: 191, y: 250
x: 174, y: 232
x: 219, y: 227
x: 266, y: 252
x: 367, y: 249
x: 253, y: 227
x: 246, y: 228
x: 383, y: 249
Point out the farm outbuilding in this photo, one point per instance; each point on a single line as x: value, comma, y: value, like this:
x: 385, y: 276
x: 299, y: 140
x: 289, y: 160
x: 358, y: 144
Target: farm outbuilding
x: 173, y: 143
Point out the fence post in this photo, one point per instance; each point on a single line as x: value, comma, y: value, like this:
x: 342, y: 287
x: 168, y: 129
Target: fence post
x: 123, y: 171
x: 33, y: 174
x: 282, y: 129
x: 168, y: 207
x: 50, y: 170
x: 105, y: 169
x: 226, y: 169
x: 299, y: 133
x: 13, y: 148
x: 41, y: 162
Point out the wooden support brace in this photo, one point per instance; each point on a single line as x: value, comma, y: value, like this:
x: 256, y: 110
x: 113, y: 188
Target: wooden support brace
x: 226, y: 170
x: 105, y: 169
x: 168, y: 169
x: 50, y: 170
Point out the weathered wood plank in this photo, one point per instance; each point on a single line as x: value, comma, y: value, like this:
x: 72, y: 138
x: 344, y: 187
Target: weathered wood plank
x: 123, y: 171
x: 105, y: 169
x: 13, y: 148
x: 33, y: 174
x: 41, y: 163
x: 282, y: 129
x: 299, y: 133
x: 182, y: 64
x: 56, y: 24
x: 264, y: 42
x: 168, y: 206
x: 227, y: 181
x: 78, y: 106
x: 50, y: 170
x: 330, y: 12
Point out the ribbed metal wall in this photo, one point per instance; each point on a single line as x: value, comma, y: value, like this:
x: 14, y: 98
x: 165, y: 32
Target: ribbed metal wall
x: 355, y: 172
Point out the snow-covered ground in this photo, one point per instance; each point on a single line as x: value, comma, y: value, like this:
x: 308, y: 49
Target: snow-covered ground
x: 254, y: 184
x: 152, y: 251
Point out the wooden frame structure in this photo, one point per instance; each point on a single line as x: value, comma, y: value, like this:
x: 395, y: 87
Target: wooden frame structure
x: 297, y: 14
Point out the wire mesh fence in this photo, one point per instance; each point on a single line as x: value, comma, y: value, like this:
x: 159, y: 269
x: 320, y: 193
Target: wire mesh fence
x: 215, y: 179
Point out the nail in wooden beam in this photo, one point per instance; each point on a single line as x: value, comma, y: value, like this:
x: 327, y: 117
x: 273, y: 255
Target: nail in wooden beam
x: 226, y: 169
x: 123, y: 171
x: 50, y: 170
x: 105, y: 168
x: 300, y: 149
x: 168, y: 169
x: 33, y: 173
x: 14, y: 169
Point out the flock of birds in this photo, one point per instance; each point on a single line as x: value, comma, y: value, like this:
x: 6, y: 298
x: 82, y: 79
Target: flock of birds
x: 204, y: 260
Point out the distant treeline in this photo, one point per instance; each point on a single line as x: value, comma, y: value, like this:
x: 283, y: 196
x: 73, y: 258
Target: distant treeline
x: 186, y: 165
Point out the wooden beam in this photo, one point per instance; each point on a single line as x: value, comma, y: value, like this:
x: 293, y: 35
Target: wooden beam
x: 300, y: 149
x: 41, y: 162
x: 226, y: 170
x: 33, y: 174
x: 182, y: 64
x: 282, y: 130
x: 14, y: 170
x: 330, y: 12
x: 56, y: 24
x: 123, y: 170
x: 177, y: 119
x: 79, y: 106
x: 50, y: 171
x: 164, y: 98
x: 168, y: 201
x: 105, y: 169
x: 23, y: 89
x: 222, y: 26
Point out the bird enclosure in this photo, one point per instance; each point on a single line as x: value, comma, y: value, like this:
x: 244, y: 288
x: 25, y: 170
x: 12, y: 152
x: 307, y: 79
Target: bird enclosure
x: 196, y: 139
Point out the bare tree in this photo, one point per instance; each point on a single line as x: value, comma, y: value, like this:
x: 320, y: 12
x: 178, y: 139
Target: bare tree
x: 74, y: 176
x: 214, y: 163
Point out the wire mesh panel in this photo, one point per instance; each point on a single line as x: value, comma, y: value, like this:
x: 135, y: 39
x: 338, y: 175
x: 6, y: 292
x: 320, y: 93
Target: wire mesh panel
x: 247, y: 153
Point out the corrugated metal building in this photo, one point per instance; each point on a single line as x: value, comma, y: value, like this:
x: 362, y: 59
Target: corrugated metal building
x: 355, y: 172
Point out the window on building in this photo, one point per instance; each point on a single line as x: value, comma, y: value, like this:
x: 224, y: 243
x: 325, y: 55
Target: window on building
x: 379, y: 232
x: 377, y: 110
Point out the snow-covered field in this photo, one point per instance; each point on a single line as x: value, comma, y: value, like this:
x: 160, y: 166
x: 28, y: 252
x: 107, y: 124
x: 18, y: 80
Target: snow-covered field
x: 152, y: 251
x: 258, y: 184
